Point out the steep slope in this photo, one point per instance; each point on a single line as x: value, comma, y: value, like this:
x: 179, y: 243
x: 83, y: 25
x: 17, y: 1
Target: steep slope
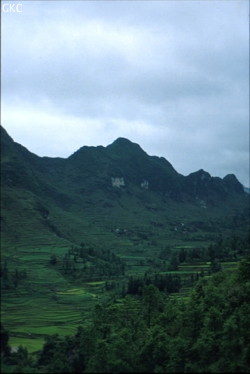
x: 213, y: 189
x: 97, y: 190
x: 122, y: 164
x: 26, y: 190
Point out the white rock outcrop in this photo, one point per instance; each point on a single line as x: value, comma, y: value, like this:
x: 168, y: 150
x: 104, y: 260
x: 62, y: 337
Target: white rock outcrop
x: 117, y: 182
x: 145, y: 185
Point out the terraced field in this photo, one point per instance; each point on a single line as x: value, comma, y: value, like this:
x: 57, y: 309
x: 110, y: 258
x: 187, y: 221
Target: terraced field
x: 30, y: 318
x: 48, y: 303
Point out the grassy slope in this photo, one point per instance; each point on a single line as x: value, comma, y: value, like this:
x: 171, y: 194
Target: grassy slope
x: 47, y: 303
x: 50, y: 207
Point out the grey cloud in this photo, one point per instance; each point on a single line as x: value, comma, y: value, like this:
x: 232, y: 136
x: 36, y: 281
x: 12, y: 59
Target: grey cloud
x: 180, y: 69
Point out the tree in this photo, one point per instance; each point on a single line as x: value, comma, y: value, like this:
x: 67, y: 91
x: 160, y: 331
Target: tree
x: 16, y: 278
x: 6, y: 277
x: 153, y: 301
x: 53, y: 259
x: 244, y: 269
x: 215, y: 266
x: 182, y: 255
x: 4, y: 337
x: 173, y: 265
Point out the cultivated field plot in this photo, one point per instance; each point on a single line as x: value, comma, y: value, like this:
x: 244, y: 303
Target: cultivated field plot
x: 47, y: 303
x: 31, y: 318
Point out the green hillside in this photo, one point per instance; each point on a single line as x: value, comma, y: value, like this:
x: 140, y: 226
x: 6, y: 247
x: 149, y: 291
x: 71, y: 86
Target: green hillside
x: 102, y: 225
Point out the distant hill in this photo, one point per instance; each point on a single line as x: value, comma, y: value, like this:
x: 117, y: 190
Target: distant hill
x: 98, y: 190
x: 247, y: 189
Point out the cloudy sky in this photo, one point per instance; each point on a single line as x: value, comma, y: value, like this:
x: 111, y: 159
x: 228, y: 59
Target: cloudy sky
x: 169, y: 75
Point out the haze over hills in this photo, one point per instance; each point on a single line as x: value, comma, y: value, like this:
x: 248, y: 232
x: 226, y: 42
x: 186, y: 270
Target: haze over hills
x: 49, y: 200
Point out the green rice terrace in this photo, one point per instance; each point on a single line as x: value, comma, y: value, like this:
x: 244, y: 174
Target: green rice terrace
x: 113, y: 260
x: 48, y: 301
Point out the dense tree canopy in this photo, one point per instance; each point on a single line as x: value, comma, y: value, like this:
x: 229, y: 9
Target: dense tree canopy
x: 205, y: 332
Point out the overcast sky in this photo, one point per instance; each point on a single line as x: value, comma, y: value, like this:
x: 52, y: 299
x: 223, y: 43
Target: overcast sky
x: 172, y: 76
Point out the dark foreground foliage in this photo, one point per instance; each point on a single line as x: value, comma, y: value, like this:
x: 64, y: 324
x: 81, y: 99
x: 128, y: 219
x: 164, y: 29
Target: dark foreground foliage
x: 207, y: 332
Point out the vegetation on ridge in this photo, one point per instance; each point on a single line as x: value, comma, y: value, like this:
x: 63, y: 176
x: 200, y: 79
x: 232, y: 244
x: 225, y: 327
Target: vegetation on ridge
x: 113, y: 260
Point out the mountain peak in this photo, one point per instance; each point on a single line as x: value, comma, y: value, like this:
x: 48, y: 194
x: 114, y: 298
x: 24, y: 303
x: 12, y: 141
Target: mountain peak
x: 125, y: 145
x: 122, y: 141
x: 233, y: 183
x: 200, y: 174
x: 230, y: 178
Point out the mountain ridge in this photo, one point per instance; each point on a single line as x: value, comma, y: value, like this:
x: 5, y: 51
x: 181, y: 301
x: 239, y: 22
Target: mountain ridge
x: 119, y: 180
x: 118, y: 145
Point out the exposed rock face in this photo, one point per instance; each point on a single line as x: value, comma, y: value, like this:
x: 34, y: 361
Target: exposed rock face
x: 92, y: 168
x: 145, y: 185
x: 117, y: 182
x: 47, y: 192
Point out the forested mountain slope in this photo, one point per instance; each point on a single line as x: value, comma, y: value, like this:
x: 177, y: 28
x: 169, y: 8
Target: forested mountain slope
x: 100, y: 189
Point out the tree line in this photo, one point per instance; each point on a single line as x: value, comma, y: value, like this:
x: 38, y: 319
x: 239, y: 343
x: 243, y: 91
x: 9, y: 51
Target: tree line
x: 11, y: 279
x: 151, y: 333
x: 230, y: 248
x: 86, y: 263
